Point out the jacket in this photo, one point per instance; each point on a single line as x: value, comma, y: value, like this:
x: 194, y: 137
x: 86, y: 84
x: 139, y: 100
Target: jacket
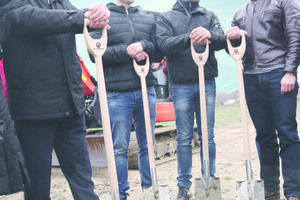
x: 173, y: 30
x: 12, y: 165
x: 127, y: 28
x: 43, y: 73
x: 273, y: 33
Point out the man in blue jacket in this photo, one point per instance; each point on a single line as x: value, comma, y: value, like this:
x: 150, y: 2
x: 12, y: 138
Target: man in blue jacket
x: 130, y: 37
x: 270, y: 77
x: 45, y: 96
x: 175, y: 29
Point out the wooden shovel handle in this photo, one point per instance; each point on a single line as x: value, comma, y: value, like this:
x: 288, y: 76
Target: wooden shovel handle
x: 97, y: 48
x: 200, y: 59
x: 142, y: 71
x: 237, y: 54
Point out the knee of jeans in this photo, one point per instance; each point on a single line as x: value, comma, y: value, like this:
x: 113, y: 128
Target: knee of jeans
x: 184, y: 141
x: 120, y: 149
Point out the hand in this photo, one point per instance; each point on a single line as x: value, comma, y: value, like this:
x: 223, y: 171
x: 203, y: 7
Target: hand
x: 234, y: 33
x: 141, y: 56
x: 200, y: 35
x: 99, y: 12
x: 288, y: 82
x: 98, y: 15
x: 155, y: 66
x: 134, y: 49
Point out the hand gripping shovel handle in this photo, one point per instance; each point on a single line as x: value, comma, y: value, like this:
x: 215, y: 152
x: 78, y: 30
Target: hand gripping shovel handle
x: 142, y: 72
x: 237, y: 54
x: 200, y: 59
x: 97, y: 48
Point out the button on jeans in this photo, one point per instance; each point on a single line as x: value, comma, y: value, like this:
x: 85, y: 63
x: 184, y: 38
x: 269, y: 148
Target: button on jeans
x: 274, y: 117
x: 186, y: 104
x: 123, y: 108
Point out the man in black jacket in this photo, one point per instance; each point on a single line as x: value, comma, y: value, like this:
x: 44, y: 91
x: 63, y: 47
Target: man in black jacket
x: 270, y: 69
x: 175, y: 29
x: 128, y: 39
x: 44, y: 89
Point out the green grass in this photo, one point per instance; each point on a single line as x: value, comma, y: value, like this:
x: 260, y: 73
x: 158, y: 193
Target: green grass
x: 224, y: 116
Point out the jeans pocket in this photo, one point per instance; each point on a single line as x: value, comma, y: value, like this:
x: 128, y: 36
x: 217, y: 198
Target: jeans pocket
x: 151, y: 91
x: 111, y: 94
x: 2, y: 129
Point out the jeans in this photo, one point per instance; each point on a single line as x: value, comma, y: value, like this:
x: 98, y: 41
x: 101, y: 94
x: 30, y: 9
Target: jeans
x: 123, y: 107
x: 67, y: 136
x: 186, y: 104
x: 274, y: 117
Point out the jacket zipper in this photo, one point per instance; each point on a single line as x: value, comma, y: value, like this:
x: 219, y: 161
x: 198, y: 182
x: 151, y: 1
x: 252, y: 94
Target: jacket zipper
x: 270, y: 11
x: 131, y: 25
x: 253, y: 41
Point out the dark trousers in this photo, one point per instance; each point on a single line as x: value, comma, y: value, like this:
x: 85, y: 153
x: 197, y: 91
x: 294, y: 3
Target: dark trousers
x: 67, y: 136
x: 274, y: 117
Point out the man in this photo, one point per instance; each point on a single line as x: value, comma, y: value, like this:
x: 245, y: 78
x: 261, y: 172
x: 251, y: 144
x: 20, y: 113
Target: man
x: 44, y: 90
x: 270, y: 67
x: 187, y: 21
x: 129, y: 38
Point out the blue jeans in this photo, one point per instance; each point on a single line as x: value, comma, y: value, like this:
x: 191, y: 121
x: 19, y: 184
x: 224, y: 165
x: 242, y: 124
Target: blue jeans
x: 274, y: 116
x: 186, y: 104
x: 123, y: 107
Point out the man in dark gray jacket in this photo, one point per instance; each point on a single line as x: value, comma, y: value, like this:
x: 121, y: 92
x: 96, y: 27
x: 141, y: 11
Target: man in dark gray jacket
x: 130, y: 37
x: 270, y: 69
x: 175, y: 30
x: 45, y: 96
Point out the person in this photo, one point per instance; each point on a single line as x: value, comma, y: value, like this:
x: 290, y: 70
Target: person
x: 270, y: 68
x: 45, y: 96
x: 131, y: 37
x: 175, y: 29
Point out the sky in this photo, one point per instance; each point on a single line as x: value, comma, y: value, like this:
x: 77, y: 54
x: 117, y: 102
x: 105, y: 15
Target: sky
x: 224, y: 9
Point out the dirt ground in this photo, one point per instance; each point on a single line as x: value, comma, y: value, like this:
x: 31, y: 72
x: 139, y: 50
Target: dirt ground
x: 230, y: 168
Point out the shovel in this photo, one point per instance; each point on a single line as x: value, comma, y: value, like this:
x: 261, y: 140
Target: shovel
x: 249, y: 189
x: 206, y: 187
x: 162, y: 192
x: 97, y: 48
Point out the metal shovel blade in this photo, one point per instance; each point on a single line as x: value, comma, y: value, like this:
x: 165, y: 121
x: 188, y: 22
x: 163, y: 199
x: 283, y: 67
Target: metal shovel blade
x: 208, y: 188
x: 163, y: 193
x: 250, y: 190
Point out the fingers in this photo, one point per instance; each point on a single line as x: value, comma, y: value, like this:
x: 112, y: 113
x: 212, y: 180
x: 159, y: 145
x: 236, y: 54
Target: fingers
x: 200, y: 35
x: 134, y: 49
x: 99, y: 24
x: 141, y: 56
x: 234, y: 33
x: 288, y: 82
x: 99, y: 12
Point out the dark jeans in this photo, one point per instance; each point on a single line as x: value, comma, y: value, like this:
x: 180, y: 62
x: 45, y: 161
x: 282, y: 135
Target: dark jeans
x: 274, y: 117
x: 67, y: 136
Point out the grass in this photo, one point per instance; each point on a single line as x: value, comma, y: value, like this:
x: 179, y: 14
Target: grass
x: 224, y: 116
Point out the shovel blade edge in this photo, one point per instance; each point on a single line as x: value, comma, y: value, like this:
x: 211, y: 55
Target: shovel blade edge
x: 250, y: 190
x: 208, y: 188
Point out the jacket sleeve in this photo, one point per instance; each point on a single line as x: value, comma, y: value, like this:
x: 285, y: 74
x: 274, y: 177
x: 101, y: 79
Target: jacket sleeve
x: 166, y: 41
x: 291, y: 13
x: 36, y: 21
x: 218, y: 40
x: 150, y: 47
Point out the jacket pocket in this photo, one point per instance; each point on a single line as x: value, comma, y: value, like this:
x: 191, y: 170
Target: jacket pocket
x: 271, y: 16
x: 241, y: 22
x: 2, y: 129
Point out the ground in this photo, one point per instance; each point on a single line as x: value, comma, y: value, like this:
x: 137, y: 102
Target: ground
x: 230, y: 167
